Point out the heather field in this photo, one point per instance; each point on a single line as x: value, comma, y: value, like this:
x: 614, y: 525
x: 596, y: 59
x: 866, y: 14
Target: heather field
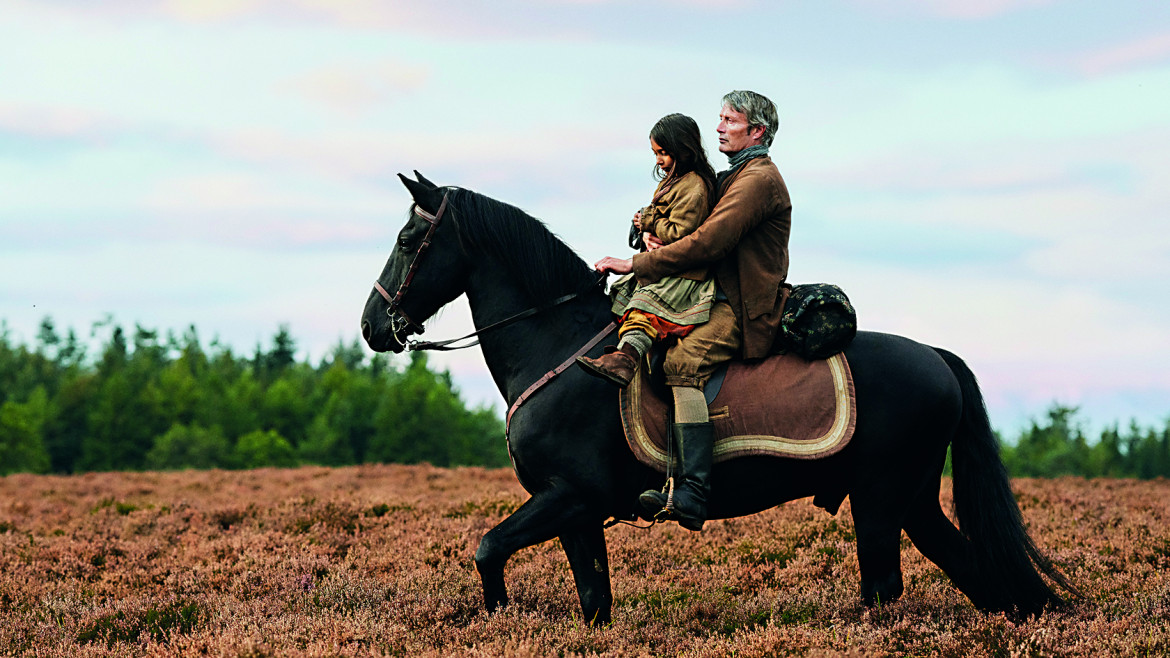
x: 376, y: 560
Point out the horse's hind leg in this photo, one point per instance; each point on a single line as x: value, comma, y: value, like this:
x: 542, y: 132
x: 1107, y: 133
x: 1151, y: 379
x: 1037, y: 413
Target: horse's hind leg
x: 879, y: 556
x: 585, y: 548
x: 940, y: 541
x: 541, y: 518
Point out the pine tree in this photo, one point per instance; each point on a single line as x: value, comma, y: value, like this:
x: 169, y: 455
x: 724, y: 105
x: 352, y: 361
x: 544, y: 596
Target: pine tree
x: 21, y: 434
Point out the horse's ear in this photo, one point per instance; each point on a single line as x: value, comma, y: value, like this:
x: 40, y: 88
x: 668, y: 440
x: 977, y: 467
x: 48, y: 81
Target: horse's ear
x: 427, y: 197
x: 423, y: 179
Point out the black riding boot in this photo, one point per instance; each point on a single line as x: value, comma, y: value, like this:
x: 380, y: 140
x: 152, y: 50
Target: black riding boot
x: 689, y: 503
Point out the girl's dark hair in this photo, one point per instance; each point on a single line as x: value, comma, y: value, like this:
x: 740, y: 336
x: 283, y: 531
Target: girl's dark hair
x: 678, y: 135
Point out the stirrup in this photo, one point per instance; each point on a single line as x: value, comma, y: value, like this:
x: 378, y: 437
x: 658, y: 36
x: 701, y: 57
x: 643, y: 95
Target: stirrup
x: 667, y: 511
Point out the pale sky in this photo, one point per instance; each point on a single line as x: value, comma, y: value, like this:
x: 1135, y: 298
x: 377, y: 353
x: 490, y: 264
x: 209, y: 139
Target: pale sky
x: 989, y: 176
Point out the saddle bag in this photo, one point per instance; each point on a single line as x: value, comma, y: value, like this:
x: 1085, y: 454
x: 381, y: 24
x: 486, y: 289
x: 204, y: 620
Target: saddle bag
x: 818, y: 322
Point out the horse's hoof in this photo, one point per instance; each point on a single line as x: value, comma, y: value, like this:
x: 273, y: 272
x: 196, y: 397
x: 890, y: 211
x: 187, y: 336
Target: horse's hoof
x: 598, y: 618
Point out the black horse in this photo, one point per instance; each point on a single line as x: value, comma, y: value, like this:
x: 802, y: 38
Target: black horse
x: 569, y: 453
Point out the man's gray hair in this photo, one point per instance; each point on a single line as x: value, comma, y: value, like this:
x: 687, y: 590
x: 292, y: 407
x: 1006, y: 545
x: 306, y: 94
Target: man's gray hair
x: 759, y: 110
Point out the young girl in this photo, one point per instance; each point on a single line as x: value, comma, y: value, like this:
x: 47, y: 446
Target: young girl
x: 673, y: 305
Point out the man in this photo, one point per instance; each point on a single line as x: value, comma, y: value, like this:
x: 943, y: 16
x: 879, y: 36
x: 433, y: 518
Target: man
x: 745, y: 241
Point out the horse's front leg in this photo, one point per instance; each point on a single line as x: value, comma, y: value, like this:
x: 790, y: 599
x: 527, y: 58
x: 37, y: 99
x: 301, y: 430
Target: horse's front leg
x: 585, y: 548
x: 539, y: 519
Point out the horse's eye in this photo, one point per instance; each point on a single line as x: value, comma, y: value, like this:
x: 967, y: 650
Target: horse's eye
x: 403, y: 243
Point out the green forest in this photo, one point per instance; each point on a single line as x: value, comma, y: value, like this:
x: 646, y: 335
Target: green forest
x: 142, y: 401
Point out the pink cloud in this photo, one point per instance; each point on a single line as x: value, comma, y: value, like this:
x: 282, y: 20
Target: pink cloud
x: 474, y: 20
x: 954, y: 9
x: 354, y: 90
x: 46, y: 121
x: 350, y: 154
x: 932, y: 173
x: 1147, y: 50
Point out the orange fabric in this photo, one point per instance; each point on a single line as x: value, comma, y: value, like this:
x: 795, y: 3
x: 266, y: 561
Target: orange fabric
x: 654, y: 326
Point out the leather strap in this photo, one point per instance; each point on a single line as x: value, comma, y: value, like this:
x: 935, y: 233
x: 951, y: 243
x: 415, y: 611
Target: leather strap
x: 396, y: 300
x: 447, y: 345
x: 548, y: 376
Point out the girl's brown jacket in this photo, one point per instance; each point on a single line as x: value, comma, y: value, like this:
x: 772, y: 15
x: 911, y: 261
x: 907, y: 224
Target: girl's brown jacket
x: 745, y: 240
x: 676, y: 213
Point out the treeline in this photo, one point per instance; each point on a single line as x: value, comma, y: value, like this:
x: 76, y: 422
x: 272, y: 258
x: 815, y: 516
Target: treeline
x: 147, y: 402
x: 1058, y: 445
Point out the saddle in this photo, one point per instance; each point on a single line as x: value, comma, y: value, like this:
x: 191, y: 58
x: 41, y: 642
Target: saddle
x: 783, y: 406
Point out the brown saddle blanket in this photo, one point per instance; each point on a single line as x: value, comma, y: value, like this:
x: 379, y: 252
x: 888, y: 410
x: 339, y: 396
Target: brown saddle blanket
x: 783, y: 406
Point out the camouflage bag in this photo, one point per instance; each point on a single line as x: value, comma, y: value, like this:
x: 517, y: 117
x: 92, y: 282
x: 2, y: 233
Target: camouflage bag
x: 818, y: 322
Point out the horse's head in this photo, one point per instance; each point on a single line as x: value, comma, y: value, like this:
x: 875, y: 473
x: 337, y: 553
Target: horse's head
x: 425, y: 271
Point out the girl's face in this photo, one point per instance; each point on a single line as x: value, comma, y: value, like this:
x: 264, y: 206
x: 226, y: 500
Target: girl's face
x: 664, y: 160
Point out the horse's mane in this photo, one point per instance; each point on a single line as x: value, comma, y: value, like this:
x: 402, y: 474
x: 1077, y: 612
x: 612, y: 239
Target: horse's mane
x: 543, y: 265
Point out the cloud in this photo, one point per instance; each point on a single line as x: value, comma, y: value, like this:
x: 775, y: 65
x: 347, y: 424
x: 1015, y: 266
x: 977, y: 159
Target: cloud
x: 1153, y: 49
x: 502, y: 21
x: 467, y: 155
x: 52, y: 121
x: 954, y: 9
x: 210, y: 10
x: 265, y: 211
x: 466, y: 20
x: 1024, y: 187
x: 355, y: 89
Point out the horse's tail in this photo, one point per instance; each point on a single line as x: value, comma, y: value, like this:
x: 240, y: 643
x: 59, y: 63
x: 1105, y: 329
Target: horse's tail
x: 1005, y: 556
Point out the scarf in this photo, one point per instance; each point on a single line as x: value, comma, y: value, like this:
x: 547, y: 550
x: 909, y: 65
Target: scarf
x: 737, y: 160
x: 750, y: 153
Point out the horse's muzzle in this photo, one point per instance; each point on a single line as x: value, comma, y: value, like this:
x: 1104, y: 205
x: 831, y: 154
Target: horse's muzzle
x: 383, y: 339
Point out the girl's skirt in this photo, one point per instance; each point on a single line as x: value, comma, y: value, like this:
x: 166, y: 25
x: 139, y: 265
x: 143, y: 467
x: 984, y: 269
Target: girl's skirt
x: 675, y: 305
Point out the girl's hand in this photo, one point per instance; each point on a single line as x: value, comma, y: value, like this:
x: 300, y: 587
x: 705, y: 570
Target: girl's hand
x: 638, y: 220
x: 615, y: 265
x: 651, y: 241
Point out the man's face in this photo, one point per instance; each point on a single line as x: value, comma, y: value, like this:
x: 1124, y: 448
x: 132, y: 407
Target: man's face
x: 734, y: 133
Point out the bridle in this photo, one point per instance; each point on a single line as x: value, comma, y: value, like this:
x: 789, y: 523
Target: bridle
x: 401, y: 322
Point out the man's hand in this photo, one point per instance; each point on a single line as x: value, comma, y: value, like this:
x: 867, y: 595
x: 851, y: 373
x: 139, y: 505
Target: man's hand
x: 651, y: 241
x: 615, y: 265
x: 638, y: 220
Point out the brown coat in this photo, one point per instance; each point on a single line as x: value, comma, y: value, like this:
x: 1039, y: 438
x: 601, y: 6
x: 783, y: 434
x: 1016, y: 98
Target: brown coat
x: 677, y: 213
x: 745, y: 239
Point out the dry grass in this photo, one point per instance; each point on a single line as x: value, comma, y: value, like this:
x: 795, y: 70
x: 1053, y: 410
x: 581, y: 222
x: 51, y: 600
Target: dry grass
x: 376, y: 560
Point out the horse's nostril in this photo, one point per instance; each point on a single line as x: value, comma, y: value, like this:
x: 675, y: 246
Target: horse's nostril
x: 366, y: 330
